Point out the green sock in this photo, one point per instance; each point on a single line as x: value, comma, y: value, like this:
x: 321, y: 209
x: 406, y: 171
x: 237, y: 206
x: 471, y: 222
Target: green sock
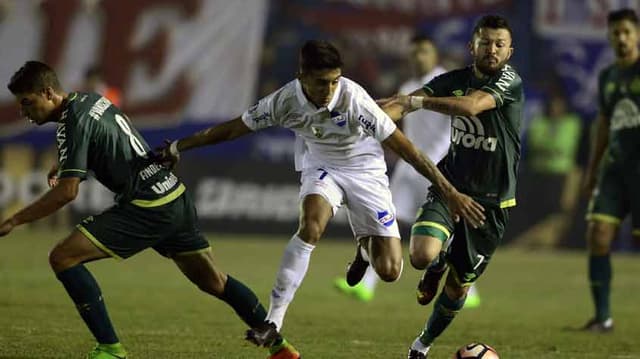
x: 444, y: 310
x: 600, y: 280
x: 244, y: 302
x: 85, y: 293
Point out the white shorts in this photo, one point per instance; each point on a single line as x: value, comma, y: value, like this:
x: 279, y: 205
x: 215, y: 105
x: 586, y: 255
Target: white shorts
x: 367, y: 197
x: 409, y: 190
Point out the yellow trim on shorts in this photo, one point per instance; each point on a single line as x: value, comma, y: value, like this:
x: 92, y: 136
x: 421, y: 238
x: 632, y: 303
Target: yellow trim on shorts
x: 456, y: 277
x: 197, y: 251
x: 73, y: 170
x: 434, y: 225
x: 508, y: 203
x: 97, y: 243
x: 160, y: 201
x: 601, y: 217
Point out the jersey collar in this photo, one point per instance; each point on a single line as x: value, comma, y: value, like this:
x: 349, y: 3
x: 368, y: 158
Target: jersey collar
x: 302, y: 98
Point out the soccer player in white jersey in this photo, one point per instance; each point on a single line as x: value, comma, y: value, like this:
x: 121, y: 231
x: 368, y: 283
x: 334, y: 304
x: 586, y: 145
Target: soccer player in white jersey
x: 430, y: 132
x: 343, y: 163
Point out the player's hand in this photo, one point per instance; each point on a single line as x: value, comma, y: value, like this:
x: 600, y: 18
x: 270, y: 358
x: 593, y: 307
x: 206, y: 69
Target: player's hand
x: 403, y: 101
x: 164, y: 156
x: 52, y: 176
x: 463, y: 206
x: 588, y: 184
x: 6, y: 227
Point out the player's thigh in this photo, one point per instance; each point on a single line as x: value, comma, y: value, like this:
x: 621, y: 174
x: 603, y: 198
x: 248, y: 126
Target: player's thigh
x: 370, y: 205
x: 432, y: 227
x: 609, y: 204
x: 320, y: 198
x: 73, y: 250
x: 471, y: 249
x: 185, y: 238
x: 200, y: 268
x: 125, y: 229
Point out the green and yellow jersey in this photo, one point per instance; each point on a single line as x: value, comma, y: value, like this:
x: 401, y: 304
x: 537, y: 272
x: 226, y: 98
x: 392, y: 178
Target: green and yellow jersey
x: 619, y: 100
x: 94, y: 136
x: 485, y: 149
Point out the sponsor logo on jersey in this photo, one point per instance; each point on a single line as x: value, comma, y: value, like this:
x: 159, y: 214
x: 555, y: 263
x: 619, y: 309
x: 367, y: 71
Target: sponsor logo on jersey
x: 386, y: 218
x: 98, y: 108
x: 61, y: 140
x: 469, y: 132
x: 506, y: 77
x: 338, y: 118
x: 625, y: 115
x: 317, y: 131
x: 367, y: 124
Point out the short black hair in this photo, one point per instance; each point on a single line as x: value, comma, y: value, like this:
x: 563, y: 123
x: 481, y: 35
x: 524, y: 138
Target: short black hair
x: 622, y: 14
x: 420, y: 37
x: 92, y: 71
x: 32, y: 77
x: 319, y: 55
x: 492, y: 22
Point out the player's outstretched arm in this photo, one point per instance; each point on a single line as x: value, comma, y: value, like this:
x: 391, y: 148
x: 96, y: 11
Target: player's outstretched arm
x: 396, y: 110
x: 225, y: 131
x: 64, y: 192
x: 469, y: 105
x: 460, y: 204
x: 597, y: 151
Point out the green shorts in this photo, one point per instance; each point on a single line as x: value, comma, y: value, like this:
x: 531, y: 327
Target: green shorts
x: 471, y: 249
x: 126, y: 229
x: 617, y: 194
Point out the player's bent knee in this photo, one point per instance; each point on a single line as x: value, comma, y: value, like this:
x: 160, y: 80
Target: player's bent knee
x: 310, y: 231
x: 599, y: 237
x: 388, y: 270
x: 59, y: 260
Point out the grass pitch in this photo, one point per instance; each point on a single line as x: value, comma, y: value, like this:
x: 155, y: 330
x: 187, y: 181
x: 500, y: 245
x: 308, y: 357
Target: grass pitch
x: 528, y: 301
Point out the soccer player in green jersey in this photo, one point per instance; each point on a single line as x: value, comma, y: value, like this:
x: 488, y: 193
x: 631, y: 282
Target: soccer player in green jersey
x: 153, y: 208
x: 613, y: 172
x: 485, y: 101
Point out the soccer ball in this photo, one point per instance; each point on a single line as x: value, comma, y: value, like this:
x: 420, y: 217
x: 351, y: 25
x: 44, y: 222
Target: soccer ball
x: 476, y: 351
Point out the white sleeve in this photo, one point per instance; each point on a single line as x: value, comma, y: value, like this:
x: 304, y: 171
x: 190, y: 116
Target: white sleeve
x: 375, y: 122
x: 262, y: 114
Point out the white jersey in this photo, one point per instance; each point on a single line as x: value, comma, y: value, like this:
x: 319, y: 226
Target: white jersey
x: 346, y: 134
x: 429, y: 131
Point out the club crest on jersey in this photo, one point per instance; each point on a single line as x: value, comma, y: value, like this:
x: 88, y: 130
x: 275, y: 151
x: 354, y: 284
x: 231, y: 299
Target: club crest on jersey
x: 338, y: 118
x: 386, y: 218
x: 317, y: 131
x: 469, y: 132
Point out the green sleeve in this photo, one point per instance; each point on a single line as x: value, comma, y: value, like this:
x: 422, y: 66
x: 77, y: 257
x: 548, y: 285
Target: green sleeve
x: 506, y: 87
x: 73, y: 140
x: 438, y: 86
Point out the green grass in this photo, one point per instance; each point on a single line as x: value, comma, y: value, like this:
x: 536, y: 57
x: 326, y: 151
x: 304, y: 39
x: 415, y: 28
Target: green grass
x: 529, y: 298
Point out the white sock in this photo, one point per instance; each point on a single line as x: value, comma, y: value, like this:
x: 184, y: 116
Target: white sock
x: 293, y: 267
x: 370, y: 278
x: 417, y: 345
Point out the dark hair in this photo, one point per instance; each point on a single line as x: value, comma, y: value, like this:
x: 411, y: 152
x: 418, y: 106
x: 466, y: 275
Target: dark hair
x: 492, y: 22
x: 420, y: 37
x: 319, y: 55
x: 33, y: 76
x: 622, y: 14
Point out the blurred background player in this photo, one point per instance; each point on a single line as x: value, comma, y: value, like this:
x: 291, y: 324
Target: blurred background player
x: 94, y: 82
x: 613, y: 173
x: 485, y: 101
x: 431, y: 133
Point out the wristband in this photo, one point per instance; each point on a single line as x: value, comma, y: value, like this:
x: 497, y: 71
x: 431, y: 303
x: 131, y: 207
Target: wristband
x: 416, y: 102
